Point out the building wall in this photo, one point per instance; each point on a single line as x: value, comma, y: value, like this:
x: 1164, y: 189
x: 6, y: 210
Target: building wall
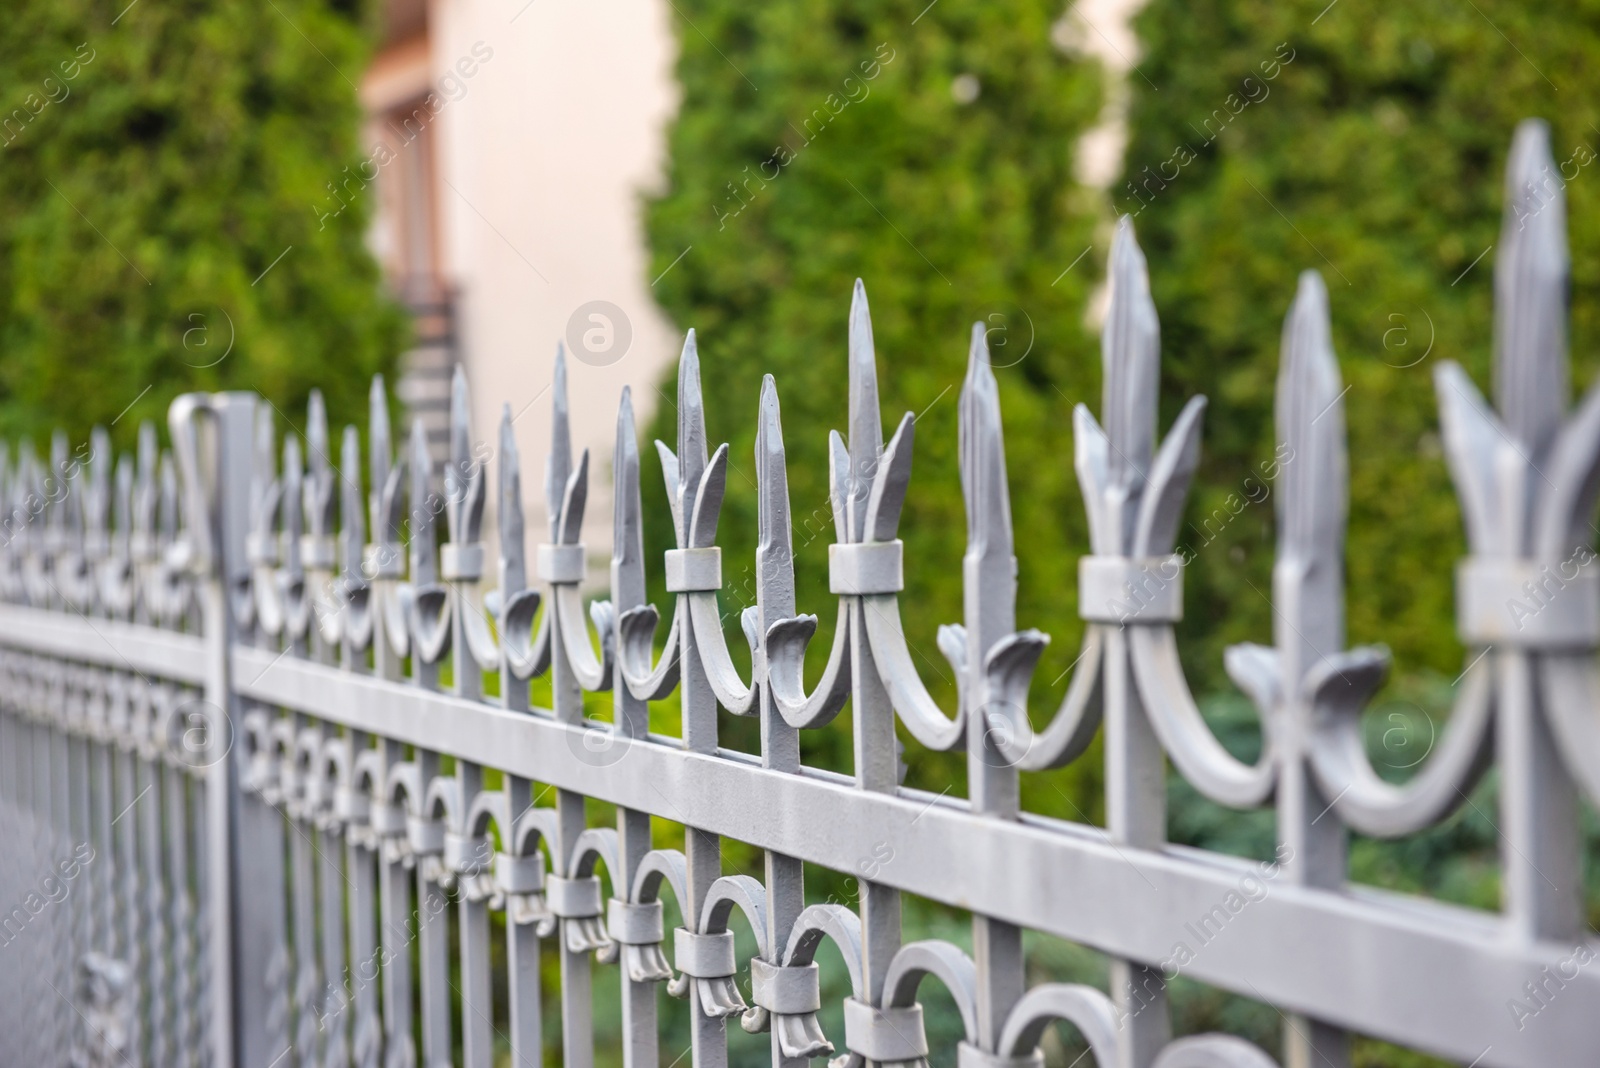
x: 546, y: 128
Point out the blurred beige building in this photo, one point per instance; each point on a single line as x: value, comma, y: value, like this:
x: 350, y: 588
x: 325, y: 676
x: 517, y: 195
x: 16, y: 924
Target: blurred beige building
x: 514, y: 142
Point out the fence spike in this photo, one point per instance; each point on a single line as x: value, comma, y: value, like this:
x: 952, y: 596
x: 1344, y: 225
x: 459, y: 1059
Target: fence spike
x: 380, y: 452
x: 774, y: 550
x: 1130, y: 349
x: 693, y: 444
x: 558, y: 466
x: 320, y: 502
x: 866, y: 426
x: 352, y: 522
x: 463, y: 476
x: 1310, y: 417
x: 97, y: 501
x: 627, y: 535
x: 983, y: 460
x: 291, y: 502
x: 123, y: 514
x: 508, y: 511
x: 423, y: 567
x: 1530, y: 287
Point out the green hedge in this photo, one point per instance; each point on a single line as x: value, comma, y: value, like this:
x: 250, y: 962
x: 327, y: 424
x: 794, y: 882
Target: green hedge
x: 1366, y: 140
x: 166, y: 174
x: 819, y: 142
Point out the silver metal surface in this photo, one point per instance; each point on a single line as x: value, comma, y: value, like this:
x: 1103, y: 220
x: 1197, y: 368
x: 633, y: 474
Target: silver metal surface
x: 228, y: 693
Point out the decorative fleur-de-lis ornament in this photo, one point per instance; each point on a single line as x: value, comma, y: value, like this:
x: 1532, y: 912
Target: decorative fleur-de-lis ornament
x: 1528, y: 596
x: 291, y: 576
x: 143, y: 546
x: 319, y: 547
x: 383, y: 559
x: 11, y: 521
x: 523, y: 653
x: 261, y: 544
x: 353, y: 592
x: 461, y: 558
x: 117, y: 588
x: 562, y: 560
x: 429, y: 622
x: 695, y: 565
x: 96, y: 516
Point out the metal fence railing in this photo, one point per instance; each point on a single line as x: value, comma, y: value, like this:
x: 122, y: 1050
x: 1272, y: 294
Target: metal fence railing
x: 258, y: 810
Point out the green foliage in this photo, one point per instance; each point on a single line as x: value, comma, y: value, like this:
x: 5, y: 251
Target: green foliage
x: 1375, y: 155
x: 154, y: 169
x: 821, y: 142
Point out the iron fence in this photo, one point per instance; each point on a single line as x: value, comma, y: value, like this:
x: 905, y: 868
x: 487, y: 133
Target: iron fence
x: 246, y: 745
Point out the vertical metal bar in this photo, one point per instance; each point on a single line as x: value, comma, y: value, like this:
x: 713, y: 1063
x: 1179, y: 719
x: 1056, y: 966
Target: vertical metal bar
x: 708, y: 1035
x: 1136, y: 813
x: 303, y: 927
x: 367, y: 1044
x: 876, y: 764
x: 82, y: 889
x: 155, y: 975
x: 205, y: 1001
x: 577, y: 999
x: 62, y: 917
x: 180, y: 912
x: 394, y: 907
x: 522, y: 960
x: 126, y: 826
x: 989, y: 586
x: 433, y: 938
x: 477, y: 999
x: 335, y: 996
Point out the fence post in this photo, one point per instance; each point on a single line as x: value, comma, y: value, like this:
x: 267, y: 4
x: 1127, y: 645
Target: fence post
x: 214, y: 456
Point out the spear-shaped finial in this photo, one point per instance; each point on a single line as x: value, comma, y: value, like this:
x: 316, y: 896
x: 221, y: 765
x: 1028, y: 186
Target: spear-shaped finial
x: 983, y: 456
x: 59, y: 501
x: 169, y: 498
x: 558, y: 466
x: 380, y: 452
x: 1310, y: 418
x: 1530, y: 284
x: 319, y: 502
x: 1312, y: 489
x: 693, y: 444
x: 352, y: 531
x: 513, y: 560
x: 123, y: 516
x: 97, y: 502
x: 423, y: 567
x: 292, y: 501
x: 866, y: 426
x: 1130, y: 348
x: 774, y: 551
x: 627, y: 528
x: 463, y: 477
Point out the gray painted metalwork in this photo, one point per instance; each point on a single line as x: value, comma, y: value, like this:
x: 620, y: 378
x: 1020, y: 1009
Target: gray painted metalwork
x: 228, y: 693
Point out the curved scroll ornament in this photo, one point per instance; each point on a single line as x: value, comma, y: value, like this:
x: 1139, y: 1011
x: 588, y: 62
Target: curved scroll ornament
x: 1530, y: 591
x: 1528, y: 596
x: 563, y: 560
x: 1308, y: 689
x: 383, y: 559
x: 695, y: 485
x: 1097, y: 1020
x: 428, y: 620
x: 1134, y: 495
x: 523, y: 652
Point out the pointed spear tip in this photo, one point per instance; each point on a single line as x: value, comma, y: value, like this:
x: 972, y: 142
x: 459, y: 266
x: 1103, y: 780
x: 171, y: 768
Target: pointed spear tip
x: 978, y: 350
x: 1311, y: 294
x: 1530, y: 156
